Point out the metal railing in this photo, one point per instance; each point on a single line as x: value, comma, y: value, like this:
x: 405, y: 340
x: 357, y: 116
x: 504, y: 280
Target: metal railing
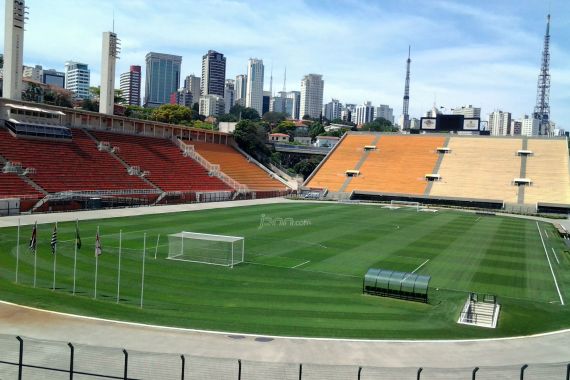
x: 25, y: 358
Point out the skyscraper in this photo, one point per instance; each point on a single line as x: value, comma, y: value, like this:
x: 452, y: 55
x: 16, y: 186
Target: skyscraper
x: 131, y: 86
x: 109, y: 55
x: 229, y: 94
x: 295, y: 104
x: 213, y: 73
x: 384, y: 111
x: 500, y: 123
x: 468, y: 111
x: 254, y: 90
x: 15, y: 15
x: 77, y: 79
x: 192, y: 84
x: 240, y: 89
x: 53, y: 78
x: 312, y: 87
x: 332, y: 110
x: 33, y: 73
x: 162, y: 78
x: 364, y: 113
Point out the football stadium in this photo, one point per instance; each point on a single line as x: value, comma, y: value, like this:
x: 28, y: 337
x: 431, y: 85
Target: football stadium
x: 194, y: 239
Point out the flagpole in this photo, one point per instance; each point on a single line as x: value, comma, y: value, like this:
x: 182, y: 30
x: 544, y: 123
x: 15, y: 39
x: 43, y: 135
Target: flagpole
x: 96, y: 266
x: 54, y: 258
x: 142, y: 282
x: 156, y: 250
x: 18, y: 251
x: 119, y: 267
x: 75, y: 255
x: 35, y: 252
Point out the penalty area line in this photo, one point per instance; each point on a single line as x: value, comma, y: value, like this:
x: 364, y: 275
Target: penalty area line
x: 418, y: 268
x: 555, y: 256
x: 297, y: 266
x: 550, y: 264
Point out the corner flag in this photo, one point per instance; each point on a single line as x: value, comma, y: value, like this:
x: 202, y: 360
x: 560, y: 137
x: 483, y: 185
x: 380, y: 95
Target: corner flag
x: 77, y: 238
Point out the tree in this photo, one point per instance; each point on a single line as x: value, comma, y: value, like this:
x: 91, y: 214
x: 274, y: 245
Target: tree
x: 274, y: 117
x: 306, y: 166
x: 250, y: 137
x: 306, y: 117
x: 379, y: 125
x: 171, y: 113
x: 196, y: 108
x: 33, y: 93
x: 118, y: 97
x: 228, y: 117
x: 138, y: 112
x: 90, y: 105
x: 316, y: 129
x: 57, y: 98
x: 286, y: 126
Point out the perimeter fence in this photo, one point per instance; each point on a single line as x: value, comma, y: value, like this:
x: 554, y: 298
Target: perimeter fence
x: 26, y: 358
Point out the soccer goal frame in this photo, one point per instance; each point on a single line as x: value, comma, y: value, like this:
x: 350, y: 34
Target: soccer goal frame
x: 203, y: 248
x: 398, y: 204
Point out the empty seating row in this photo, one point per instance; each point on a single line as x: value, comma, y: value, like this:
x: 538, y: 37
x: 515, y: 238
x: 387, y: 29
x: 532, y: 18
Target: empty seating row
x: 75, y: 165
x: 12, y: 186
x: 168, y: 168
x: 236, y: 165
x: 399, y: 165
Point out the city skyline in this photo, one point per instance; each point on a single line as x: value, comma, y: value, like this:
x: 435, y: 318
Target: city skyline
x: 492, y: 64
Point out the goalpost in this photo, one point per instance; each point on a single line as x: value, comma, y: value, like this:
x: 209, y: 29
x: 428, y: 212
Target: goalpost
x: 206, y: 248
x: 398, y: 204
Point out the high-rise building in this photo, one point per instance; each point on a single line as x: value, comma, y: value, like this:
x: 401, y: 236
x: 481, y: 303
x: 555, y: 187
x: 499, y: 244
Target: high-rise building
x: 332, y: 110
x: 240, y: 89
x: 33, y: 73
x: 109, y: 54
x: 266, y: 102
x: 468, y: 111
x: 384, y: 111
x: 77, y: 79
x: 530, y: 126
x: 14, y: 16
x: 192, y: 84
x: 500, y: 123
x: 347, y: 112
x: 364, y: 113
x: 312, y: 87
x: 131, y: 86
x: 281, y: 104
x: 295, y: 104
x: 516, y: 127
x: 53, y: 78
x: 213, y: 73
x: 211, y: 105
x: 182, y: 97
x: 254, y: 89
x: 229, y: 94
x: 162, y: 78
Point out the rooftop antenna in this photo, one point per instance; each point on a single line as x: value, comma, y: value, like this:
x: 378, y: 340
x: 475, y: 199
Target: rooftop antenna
x: 271, y: 81
x: 113, y: 20
x: 285, y: 80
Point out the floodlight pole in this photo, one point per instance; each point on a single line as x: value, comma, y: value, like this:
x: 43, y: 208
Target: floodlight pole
x: 119, y: 266
x: 75, y: 255
x: 54, y: 259
x: 142, y: 281
x: 18, y: 250
x: 96, y: 266
x: 35, y: 262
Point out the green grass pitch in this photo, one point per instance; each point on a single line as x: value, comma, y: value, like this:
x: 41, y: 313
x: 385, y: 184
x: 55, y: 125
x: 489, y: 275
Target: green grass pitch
x: 305, y: 278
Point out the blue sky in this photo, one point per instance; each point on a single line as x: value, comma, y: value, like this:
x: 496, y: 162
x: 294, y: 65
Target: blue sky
x: 485, y: 53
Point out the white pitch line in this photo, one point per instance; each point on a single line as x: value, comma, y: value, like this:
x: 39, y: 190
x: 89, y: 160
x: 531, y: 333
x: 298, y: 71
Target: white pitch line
x: 555, y: 255
x: 477, y: 219
x: 297, y: 266
x: 550, y: 265
x: 424, y: 263
x: 546, y: 233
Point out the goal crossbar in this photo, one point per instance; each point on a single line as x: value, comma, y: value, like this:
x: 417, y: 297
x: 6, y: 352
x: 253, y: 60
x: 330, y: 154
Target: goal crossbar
x: 206, y: 248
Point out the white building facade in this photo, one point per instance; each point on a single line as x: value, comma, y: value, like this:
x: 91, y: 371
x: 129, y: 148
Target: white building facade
x: 211, y: 105
x: 77, y: 79
x: 384, y: 111
x: 254, y: 89
x: 500, y: 123
x: 311, y: 104
x: 364, y: 113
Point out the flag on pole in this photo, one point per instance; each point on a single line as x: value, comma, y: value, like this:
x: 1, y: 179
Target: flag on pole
x: 77, y: 238
x: 53, y: 242
x: 33, y: 241
x: 98, y: 251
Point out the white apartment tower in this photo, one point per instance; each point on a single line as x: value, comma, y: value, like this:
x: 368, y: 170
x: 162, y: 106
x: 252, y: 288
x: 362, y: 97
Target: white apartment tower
x: 468, y: 111
x: 131, y: 86
x: 530, y: 126
x: 384, y: 111
x: 312, y: 87
x: 14, y: 19
x: 229, y: 94
x: 192, y: 84
x: 364, y: 113
x: 77, y: 79
x: 240, y: 89
x: 254, y: 90
x: 110, y: 53
x: 500, y: 123
x: 332, y: 110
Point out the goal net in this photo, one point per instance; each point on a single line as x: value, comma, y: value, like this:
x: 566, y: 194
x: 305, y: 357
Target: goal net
x: 206, y: 248
x: 399, y: 204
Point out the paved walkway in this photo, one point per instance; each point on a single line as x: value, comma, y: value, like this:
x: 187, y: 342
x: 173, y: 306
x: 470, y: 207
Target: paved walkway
x: 28, y: 322
x: 548, y: 348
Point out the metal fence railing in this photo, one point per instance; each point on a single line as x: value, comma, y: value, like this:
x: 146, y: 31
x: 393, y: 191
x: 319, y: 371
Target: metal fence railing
x: 26, y: 358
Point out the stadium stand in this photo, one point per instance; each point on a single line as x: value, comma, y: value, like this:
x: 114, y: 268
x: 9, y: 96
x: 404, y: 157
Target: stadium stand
x: 168, y: 168
x: 547, y: 168
x: 13, y: 186
x: 75, y: 165
x: 236, y: 165
x: 331, y: 174
x: 399, y: 165
x: 482, y: 168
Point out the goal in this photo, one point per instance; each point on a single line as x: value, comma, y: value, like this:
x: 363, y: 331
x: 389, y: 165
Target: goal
x: 400, y: 204
x: 206, y: 248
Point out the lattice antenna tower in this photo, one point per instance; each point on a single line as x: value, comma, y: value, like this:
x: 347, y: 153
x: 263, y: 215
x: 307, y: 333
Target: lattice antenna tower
x: 542, y: 108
